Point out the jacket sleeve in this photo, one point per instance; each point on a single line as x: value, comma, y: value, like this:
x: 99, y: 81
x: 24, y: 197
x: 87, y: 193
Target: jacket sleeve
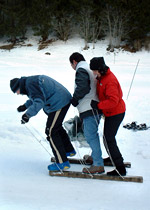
x: 28, y: 103
x: 35, y: 107
x: 82, y: 82
x: 37, y: 100
x: 111, y: 96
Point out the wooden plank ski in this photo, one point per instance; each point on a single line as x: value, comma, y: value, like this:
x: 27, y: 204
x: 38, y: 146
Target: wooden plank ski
x: 81, y: 161
x: 76, y: 174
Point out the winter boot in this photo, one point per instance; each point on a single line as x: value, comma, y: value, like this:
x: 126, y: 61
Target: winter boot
x: 94, y: 170
x: 59, y: 166
x: 121, y: 169
x: 88, y: 159
x: 71, y: 154
x: 107, y: 161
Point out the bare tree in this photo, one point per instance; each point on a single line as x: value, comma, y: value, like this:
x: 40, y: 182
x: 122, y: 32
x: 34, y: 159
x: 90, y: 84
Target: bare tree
x: 84, y: 26
x: 62, y: 25
x: 89, y: 27
x: 96, y: 30
x: 115, y: 25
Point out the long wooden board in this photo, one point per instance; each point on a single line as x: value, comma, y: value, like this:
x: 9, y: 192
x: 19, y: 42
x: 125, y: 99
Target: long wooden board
x: 82, y: 161
x: 75, y: 174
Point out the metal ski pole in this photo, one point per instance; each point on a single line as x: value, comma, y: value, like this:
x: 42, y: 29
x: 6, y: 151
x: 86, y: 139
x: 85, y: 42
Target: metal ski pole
x: 132, y: 79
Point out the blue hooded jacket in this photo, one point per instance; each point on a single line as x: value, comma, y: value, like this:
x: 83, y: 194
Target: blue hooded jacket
x: 44, y: 93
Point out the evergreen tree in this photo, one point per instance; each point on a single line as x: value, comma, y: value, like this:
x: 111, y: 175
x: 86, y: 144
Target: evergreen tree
x: 2, y: 31
x: 41, y: 14
x: 14, y: 17
x: 140, y: 18
x: 92, y: 19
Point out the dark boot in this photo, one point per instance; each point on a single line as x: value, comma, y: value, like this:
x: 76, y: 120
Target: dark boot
x: 89, y: 160
x: 94, y: 170
x: 121, y: 169
x: 107, y: 161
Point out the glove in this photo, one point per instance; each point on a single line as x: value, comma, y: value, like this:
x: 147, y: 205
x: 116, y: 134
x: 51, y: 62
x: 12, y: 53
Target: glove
x: 94, y: 104
x: 74, y: 102
x: 25, y: 119
x: 21, y: 108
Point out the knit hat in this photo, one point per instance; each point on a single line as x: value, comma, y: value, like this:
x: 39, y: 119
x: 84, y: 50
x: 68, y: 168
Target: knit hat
x: 98, y: 63
x: 14, y: 84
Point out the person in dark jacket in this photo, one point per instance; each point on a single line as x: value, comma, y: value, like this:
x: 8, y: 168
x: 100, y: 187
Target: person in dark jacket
x: 113, y: 107
x: 85, y: 90
x: 47, y: 94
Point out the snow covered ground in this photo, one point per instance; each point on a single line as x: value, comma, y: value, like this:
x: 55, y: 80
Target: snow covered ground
x: 24, y: 180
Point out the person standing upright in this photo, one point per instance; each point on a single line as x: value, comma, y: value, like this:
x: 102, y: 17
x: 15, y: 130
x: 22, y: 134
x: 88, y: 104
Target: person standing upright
x: 85, y: 90
x: 113, y: 107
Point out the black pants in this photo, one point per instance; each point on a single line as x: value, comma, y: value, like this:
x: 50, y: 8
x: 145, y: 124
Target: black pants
x: 57, y: 136
x: 111, y: 126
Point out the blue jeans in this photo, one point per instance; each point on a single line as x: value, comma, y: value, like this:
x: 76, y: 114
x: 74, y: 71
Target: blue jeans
x: 91, y: 134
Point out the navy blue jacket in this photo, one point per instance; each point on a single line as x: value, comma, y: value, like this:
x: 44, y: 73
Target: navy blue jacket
x: 44, y: 93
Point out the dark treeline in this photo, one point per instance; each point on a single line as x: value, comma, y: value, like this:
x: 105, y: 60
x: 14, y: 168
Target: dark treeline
x: 119, y: 20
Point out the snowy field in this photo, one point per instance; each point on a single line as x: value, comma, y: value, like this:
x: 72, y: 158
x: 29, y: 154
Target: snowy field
x: 24, y: 180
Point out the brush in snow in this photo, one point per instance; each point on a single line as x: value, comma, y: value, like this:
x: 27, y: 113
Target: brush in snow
x: 76, y: 174
x: 88, y: 162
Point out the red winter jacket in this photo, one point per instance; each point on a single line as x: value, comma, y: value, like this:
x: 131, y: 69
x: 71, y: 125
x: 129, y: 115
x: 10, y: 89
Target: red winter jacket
x: 110, y: 95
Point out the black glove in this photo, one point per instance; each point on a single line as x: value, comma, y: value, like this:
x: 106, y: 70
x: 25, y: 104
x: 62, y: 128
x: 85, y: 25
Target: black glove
x: 25, y: 119
x: 21, y: 108
x: 74, y: 102
x: 94, y: 104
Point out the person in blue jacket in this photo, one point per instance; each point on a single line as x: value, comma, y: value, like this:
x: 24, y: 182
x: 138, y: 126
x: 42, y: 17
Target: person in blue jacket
x: 47, y: 94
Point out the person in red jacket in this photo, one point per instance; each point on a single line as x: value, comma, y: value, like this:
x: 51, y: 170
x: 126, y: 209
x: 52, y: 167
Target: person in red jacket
x: 113, y: 107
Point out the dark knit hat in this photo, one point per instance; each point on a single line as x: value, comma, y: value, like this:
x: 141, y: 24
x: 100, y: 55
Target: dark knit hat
x: 14, y: 84
x: 98, y: 63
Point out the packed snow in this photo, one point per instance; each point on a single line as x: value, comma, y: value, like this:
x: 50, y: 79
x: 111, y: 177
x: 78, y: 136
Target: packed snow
x: 25, y: 154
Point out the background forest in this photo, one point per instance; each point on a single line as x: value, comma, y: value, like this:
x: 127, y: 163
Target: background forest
x: 126, y: 23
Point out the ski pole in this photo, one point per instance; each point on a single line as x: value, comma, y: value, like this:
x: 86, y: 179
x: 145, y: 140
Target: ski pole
x: 42, y: 146
x: 132, y: 79
x: 39, y: 134
x: 39, y: 141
